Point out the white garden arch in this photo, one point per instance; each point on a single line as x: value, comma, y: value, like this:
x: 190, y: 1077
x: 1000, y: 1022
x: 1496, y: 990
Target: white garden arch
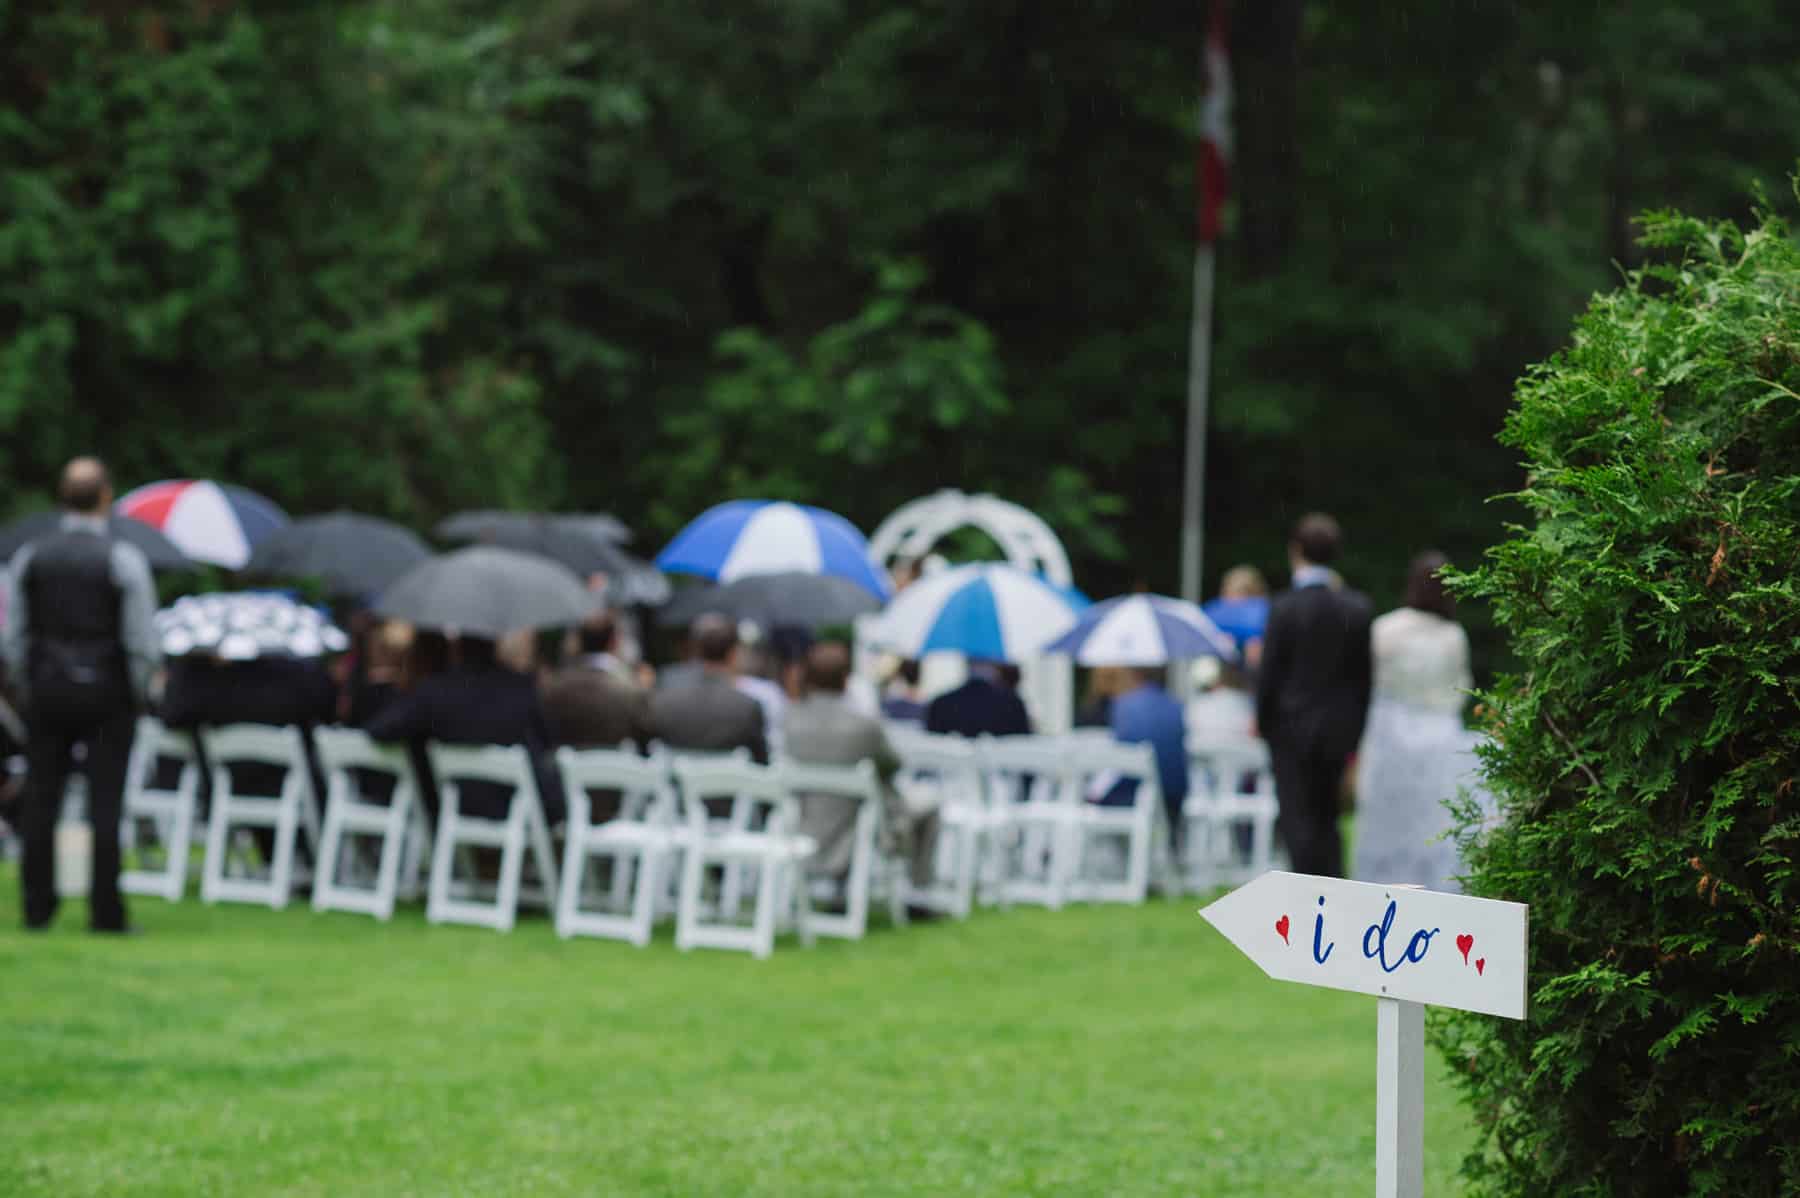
x: 913, y: 529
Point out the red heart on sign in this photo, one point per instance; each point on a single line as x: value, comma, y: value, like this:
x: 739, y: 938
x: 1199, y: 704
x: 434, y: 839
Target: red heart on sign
x: 1464, y: 943
x: 1480, y: 964
x: 1281, y: 926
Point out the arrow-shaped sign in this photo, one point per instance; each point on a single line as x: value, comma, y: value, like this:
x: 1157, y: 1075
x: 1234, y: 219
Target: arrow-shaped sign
x: 1446, y: 950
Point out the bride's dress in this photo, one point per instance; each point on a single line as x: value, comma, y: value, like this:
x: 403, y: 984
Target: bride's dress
x: 1415, y: 751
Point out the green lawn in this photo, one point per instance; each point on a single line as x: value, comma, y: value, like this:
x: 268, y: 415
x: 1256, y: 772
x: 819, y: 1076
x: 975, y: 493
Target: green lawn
x: 1091, y: 1051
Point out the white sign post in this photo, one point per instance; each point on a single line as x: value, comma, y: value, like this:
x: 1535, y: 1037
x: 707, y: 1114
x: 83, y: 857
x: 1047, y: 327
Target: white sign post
x: 1409, y: 948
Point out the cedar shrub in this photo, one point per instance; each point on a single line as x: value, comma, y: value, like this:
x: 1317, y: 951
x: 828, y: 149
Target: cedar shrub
x: 1644, y: 753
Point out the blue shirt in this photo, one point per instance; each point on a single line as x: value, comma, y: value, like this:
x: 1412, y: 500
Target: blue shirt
x: 1148, y: 714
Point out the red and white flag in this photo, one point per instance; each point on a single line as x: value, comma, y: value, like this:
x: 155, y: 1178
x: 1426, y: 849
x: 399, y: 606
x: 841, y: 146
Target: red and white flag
x: 1213, y: 175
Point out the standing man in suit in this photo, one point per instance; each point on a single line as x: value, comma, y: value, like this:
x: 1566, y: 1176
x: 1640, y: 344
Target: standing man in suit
x: 80, y: 645
x: 709, y: 714
x: 1313, y: 694
x: 983, y: 704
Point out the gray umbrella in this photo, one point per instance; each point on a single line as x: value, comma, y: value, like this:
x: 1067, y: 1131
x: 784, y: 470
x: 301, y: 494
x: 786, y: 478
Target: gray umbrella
x: 488, y: 591
x: 564, y: 539
x: 475, y: 525
x: 354, y: 555
x: 160, y: 550
x: 775, y: 600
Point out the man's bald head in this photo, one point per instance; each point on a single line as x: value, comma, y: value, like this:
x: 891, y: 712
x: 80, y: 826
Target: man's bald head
x: 85, y: 487
x: 828, y: 667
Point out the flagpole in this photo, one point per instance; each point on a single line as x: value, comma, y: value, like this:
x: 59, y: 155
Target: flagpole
x: 1193, y: 498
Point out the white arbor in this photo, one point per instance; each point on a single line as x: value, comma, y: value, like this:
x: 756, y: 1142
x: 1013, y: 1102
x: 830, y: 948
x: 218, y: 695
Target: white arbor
x: 910, y: 532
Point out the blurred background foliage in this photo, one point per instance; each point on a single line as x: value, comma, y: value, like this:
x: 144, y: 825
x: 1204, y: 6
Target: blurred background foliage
x: 410, y: 256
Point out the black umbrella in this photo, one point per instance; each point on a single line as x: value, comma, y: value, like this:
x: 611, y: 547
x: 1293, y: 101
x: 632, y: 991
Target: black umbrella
x: 563, y: 539
x: 354, y: 554
x: 775, y: 600
x: 160, y: 550
x: 488, y: 591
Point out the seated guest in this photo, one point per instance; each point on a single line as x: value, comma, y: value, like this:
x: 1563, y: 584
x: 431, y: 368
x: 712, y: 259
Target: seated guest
x: 477, y: 701
x: 824, y: 729
x: 1146, y: 714
x: 590, y: 702
x: 1105, y: 684
x: 983, y: 704
x: 203, y: 692
x: 709, y: 714
x: 757, y: 661
x: 902, y: 700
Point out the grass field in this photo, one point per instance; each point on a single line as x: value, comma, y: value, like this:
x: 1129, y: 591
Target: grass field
x: 1086, y: 1052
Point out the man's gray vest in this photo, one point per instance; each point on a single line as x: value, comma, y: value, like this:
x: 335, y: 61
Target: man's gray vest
x: 75, y: 658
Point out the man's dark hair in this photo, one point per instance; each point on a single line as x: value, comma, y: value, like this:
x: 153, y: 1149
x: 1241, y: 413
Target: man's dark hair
x: 714, y: 637
x: 599, y: 634
x: 828, y: 667
x: 1318, y: 538
x: 908, y: 671
x: 84, y: 485
x: 1425, y: 585
x: 476, y: 651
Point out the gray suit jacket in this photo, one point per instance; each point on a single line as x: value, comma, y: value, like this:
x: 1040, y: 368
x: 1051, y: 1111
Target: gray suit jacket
x: 826, y: 730
x: 709, y: 715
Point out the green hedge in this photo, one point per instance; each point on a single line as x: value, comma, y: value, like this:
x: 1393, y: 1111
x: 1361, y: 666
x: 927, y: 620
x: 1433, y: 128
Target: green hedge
x: 1644, y: 756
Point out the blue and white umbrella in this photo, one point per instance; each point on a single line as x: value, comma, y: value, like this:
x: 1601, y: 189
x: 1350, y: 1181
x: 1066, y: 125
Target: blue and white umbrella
x: 990, y: 612
x: 1143, y: 630
x: 752, y: 536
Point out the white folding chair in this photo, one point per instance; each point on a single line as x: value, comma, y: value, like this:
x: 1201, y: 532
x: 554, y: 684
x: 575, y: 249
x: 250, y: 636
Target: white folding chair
x: 228, y: 874
x: 1098, y: 765
x: 1030, y: 782
x: 945, y: 772
x: 641, y: 841
x: 1229, y: 816
x: 523, y: 831
x: 859, y: 788
x: 159, y: 822
x: 398, y: 826
x: 763, y: 840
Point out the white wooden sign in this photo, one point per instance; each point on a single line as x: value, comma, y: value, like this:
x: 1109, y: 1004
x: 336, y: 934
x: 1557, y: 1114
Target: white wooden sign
x: 1406, y: 946
x: 1444, y: 950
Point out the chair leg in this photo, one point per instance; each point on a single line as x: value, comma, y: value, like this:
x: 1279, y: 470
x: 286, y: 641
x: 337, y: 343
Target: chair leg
x: 393, y: 848
x: 802, y: 903
x: 512, y: 866
x: 768, y: 897
x: 687, y: 908
x: 643, y: 904
x: 330, y: 845
x: 281, y: 869
x: 212, y: 866
x: 443, y: 862
x: 568, y: 890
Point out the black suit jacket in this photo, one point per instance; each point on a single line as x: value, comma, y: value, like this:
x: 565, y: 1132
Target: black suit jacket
x: 975, y: 707
x: 277, y: 691
x: 480, y: 706
x: 588, y: 707
x: 1317, y: 669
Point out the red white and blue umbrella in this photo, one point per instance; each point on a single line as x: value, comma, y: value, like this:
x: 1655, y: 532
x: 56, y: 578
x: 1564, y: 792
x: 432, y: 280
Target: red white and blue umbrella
x: 1143, y: 630
x: 208, y: 521
x: 747, y: 537
x: 986, y: 611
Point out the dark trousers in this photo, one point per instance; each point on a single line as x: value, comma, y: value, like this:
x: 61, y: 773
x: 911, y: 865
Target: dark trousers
x: 1307, y: 780
x: 108, y: 743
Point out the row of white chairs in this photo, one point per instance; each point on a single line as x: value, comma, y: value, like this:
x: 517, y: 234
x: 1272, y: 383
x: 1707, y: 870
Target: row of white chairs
x: 1016, y: 826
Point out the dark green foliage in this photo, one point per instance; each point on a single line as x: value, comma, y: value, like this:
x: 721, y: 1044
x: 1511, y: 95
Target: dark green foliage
x: 1645, y: 755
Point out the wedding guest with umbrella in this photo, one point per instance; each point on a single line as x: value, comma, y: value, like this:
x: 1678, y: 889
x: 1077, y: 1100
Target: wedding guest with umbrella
x: 592, y: 701
x: 483, y: 592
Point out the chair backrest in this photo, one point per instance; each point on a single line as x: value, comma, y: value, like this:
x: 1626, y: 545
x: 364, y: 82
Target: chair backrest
x: 156, y: 739
x: 730, y: 776
x: 1100, y: 763
x: 261, y: 744
x: 153, y: 743
x: 1224, y: 764
x: 858, y: 781
x: 351, y: 748
x: 642, y: 782
x: 949, y: 766
x: 504, y: 765
x: 1018, y: 768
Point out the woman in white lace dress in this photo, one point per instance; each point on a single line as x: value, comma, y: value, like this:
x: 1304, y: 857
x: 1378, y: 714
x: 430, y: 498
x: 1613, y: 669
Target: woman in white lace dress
x: 1415, y: 753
